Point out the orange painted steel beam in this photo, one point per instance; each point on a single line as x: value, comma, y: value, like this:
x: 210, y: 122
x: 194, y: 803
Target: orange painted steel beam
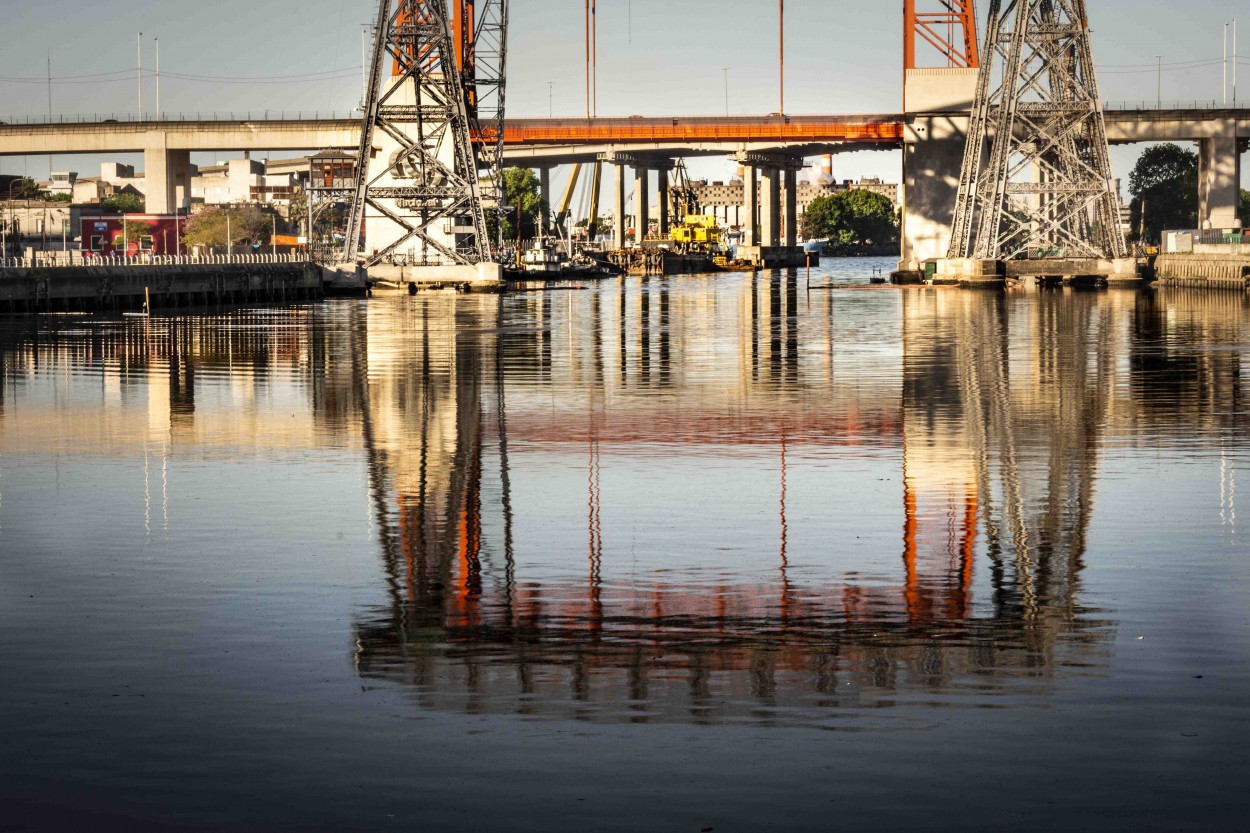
x: 814, y: 129
x: 949, y: 26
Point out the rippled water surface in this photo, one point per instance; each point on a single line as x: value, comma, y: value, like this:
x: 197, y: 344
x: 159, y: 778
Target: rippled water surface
x: 742, y: 553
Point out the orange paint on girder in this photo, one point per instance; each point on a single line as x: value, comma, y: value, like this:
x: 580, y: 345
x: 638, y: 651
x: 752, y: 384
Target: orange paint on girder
x: 661, y: 129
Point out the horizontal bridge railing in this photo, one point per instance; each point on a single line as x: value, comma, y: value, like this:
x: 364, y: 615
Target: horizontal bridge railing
x: 52, y: 259
x: 162, y: 118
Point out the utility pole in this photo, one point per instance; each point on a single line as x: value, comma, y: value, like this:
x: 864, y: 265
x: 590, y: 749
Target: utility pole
x: 139, y: 72
x: 550, y: 98
x: 725, y: 70
x: 1160, y: 83
x: 1225, y: 64
x: 158, y: 78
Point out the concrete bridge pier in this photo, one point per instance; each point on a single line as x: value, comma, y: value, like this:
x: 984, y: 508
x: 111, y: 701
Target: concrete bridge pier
x: 618, y: 221
x: 544, y: 193
x: 168, y: 175
x: 662, y: 196
x: 750, y: 205
x: 937, y: 102
x: 770, y: 206
x: 792, y: 207
x: 1219, y: 182
x: 642, y: 202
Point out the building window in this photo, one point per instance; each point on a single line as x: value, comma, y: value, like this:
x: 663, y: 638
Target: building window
x: 97, y: 242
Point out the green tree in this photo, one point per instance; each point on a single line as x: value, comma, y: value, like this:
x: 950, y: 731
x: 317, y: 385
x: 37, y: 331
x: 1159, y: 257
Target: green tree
x: 1245, y: 208
x: 22, y: 188
x: 124, y: 203
x: 1165, y: 182
x: 247, y: 226
x: 521, y: 189
x: 136, y: 230
x: 60, y: 198
x: 853, y: 219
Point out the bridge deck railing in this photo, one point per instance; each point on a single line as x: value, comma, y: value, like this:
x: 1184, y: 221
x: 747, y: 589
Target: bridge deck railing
x: 72, y: 258
x: 149, y: 118
x: 1189, y: 104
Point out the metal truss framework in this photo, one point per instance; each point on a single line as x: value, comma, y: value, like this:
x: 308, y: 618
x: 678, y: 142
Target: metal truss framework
x: 1045, y: 186
x: 442, y: 96
x: 482, y: 38
x: 949, y: 26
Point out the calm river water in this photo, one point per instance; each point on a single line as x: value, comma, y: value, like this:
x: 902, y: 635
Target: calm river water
x: 677, y: 554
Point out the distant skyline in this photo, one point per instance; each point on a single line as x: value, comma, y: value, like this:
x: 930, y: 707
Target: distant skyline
x: 656, y: 57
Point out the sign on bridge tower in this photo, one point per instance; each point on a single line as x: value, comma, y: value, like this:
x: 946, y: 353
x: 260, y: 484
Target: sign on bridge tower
x: 431, y: 144
x: 1036, y: 177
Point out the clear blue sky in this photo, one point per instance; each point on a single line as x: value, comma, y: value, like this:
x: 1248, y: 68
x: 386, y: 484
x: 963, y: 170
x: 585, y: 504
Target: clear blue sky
x: 842, y: 56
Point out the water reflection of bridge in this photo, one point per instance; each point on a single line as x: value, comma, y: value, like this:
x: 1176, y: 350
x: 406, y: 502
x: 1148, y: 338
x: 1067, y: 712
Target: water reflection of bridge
x: 995, y: 408
x: 999, y: 456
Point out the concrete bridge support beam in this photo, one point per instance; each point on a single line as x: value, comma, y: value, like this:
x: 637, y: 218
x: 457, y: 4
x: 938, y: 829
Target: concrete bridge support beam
x: 662, y: 195
x: 618, y: 219
x: 168, y: 175
x: 792, y: 207
x: 770, y: 204
x: 642, y: 203
x: 1219, y: 183
x: 750, y: 206
x: 544, y: 193
x: 938, y: 102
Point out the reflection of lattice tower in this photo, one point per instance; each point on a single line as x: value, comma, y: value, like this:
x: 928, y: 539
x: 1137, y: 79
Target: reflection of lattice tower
x: 1036, y: 176
x: 421, y: 140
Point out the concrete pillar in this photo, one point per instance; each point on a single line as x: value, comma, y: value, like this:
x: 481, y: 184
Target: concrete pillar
x: 618, y: 230
x: 792, y: 207
x: 663, y: 197
x: 770, y: 206
x: 750, y: 207
x: 642, y: 203
x: 544, y: 192
x: 167, y: 174
x: 933, y: 153
x: 1219, y: 183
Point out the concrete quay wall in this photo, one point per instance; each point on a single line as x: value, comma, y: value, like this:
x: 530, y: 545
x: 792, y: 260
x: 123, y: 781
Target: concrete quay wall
x: 116, y: 288
x: 1211, y: 271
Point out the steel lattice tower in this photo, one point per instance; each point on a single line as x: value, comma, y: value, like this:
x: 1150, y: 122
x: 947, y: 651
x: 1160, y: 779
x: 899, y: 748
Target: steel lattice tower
x: 442, y: 109
x: 1045, y: 185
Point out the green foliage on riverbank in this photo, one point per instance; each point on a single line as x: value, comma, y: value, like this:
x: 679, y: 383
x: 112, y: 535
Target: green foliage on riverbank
x: 1164, y: 185
x: 852, y: 221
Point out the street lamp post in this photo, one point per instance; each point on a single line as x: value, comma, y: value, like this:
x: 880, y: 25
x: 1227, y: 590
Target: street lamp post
x: 158, y: 77
x: 725, y: 71
x: 139, y: 72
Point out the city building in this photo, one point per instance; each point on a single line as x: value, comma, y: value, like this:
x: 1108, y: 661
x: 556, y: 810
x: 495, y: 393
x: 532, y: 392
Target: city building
x: 242, y: 181
x: 38, y: 224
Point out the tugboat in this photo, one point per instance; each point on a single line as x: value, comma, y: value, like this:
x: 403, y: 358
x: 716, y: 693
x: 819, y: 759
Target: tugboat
x: 544, y: 259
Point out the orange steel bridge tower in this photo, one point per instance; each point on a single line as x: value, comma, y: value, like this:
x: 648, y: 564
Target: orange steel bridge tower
x: 949, y: 26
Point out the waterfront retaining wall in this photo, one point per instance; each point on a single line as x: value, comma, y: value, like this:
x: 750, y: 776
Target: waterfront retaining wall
x: 114, y: 288
x: 1213, y: 271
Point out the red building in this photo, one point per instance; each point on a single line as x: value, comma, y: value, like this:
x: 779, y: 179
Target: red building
x: 156, y: 234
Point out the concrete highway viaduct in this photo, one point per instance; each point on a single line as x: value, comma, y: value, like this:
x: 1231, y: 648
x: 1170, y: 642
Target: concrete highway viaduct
x: 931, y: 133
